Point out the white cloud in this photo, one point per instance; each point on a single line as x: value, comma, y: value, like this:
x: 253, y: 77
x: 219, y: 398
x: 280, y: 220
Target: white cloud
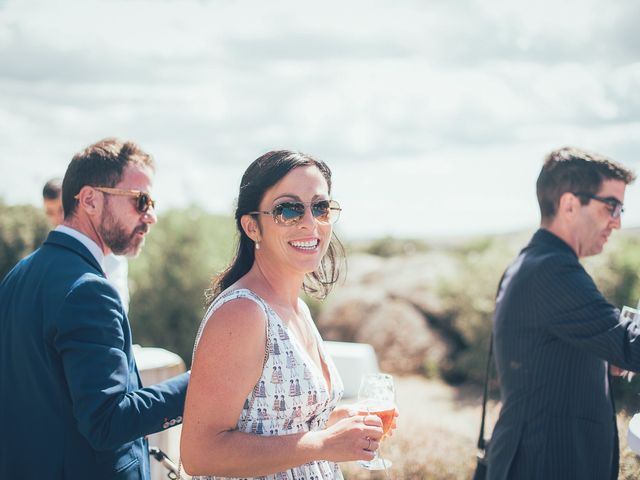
x: 446, y: 107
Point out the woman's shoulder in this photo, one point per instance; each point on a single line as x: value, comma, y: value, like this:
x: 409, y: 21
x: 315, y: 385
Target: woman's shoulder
x: 233, y: 334
x: 238, y: 305
x: 234, y: 312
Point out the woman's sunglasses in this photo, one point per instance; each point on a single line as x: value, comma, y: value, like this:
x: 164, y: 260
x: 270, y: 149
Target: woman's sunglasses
x: 291, y: 213
x: 143, y: 200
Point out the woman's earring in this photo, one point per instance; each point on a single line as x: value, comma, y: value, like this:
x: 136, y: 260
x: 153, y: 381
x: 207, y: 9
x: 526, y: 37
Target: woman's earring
x: 257, y: 245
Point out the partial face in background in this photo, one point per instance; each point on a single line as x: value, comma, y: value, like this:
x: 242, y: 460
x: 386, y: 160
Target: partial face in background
x: 53, y: 210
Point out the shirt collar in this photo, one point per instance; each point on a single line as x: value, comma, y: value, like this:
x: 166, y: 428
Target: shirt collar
x: 549, y: 238
x: 92, y: 246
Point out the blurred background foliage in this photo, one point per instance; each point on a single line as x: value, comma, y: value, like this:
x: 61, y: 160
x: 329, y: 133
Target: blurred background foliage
x: 184, y: 251
x: 186, y: 248
x: 22, y: 229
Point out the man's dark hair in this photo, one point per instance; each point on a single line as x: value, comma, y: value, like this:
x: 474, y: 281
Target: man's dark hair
x: 52, y: 189
x: 100, y: 165
x: 570, y: 169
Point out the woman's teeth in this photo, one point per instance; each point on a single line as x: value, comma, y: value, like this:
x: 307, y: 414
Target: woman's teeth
x: 309, y: 245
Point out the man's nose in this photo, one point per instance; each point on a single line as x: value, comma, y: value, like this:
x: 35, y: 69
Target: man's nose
x: 150, y: 216
x: 616, y: 222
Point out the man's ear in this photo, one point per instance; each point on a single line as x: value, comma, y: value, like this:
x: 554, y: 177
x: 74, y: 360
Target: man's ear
x: 250, y: 227
x: 89, y: 200
x: 569, y: 205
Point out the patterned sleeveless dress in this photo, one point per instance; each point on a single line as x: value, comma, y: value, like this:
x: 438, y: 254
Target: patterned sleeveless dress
x: 291, y: 396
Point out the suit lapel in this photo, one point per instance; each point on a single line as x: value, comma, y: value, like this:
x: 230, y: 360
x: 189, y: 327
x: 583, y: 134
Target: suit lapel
x: 66, y: 241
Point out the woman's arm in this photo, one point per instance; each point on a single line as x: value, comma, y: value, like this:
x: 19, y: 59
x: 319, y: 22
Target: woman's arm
x: 227, y: 365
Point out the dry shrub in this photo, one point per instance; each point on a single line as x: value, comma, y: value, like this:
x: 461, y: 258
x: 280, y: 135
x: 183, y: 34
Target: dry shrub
x: 418, y: 455
x: 398, y: 333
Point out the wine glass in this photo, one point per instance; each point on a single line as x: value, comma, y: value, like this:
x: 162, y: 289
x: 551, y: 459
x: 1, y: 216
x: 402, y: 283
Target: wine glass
x: 377, y: 397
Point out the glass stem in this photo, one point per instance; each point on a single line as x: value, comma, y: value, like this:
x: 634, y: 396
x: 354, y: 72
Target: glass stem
x: 384, y: 464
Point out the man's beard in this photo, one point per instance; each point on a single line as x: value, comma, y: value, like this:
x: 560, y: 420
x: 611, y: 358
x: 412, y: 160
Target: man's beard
x: 116, y: 237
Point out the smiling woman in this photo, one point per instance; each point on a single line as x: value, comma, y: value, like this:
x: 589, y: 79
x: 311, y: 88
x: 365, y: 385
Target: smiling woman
x: 263, y: 394
x: 286, y: 210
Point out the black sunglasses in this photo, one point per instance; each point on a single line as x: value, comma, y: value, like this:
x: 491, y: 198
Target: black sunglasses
x: 616, y: 206
x: 143, y: 199
x: 291, y: 213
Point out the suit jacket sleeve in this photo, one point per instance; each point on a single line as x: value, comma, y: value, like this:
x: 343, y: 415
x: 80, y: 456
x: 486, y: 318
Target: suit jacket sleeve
x: 576, y: 312
x: 91, y: 342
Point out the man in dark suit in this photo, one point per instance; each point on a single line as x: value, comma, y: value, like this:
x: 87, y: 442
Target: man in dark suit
x: 72, y: 401
x: 555, y: 335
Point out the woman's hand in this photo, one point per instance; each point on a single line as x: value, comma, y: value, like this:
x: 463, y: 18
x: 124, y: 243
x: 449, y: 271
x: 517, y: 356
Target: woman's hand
x: 340, y: 412
x: 351, y: 438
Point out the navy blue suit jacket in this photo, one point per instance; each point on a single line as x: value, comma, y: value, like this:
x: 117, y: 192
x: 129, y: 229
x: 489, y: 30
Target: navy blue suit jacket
x: 73, y: 406
x: 554, y: 335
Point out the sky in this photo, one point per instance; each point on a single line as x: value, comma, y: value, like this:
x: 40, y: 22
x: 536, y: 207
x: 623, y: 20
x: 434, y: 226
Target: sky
x: 434, y: 115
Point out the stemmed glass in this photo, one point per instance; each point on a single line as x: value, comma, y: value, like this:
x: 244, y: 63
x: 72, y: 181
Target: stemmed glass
x: 377, y: 397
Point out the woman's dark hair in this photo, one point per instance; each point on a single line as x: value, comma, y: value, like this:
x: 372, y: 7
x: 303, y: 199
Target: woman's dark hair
x: 259, y: 177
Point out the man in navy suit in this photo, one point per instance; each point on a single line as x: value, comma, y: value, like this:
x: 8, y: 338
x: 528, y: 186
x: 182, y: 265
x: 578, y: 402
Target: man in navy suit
x: 73, y: 406
x: 555, y: 335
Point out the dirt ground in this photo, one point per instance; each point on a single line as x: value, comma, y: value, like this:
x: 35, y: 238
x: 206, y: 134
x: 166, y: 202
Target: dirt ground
x: 433, y: 403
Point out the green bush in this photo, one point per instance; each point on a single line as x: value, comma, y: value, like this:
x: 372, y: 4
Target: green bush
x: 616, y: 271
x: 184, y: 250
x: 468, y: 295
x: 389, y: 246
x: 22, y: 229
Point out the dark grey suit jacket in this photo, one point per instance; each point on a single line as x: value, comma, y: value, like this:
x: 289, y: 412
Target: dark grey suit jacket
x: 554, y: 333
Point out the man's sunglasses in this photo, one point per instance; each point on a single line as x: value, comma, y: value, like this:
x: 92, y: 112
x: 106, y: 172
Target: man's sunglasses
x: 143, y: 200
x: 616, y: 208
x: 291, y: 213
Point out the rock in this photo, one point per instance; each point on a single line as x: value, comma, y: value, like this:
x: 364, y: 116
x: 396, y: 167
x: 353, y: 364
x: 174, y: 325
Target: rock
x: 397, y: 331
x: 346, y: 310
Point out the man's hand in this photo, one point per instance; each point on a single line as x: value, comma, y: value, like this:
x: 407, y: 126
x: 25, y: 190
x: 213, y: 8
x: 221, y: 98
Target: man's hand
x: 618, y: 372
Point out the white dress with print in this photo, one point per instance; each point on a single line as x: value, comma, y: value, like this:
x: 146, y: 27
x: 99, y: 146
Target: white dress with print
x: 291, y: 395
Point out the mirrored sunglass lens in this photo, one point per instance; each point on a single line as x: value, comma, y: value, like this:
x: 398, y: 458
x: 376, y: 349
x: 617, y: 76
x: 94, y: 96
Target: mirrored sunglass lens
x: 288, y: 213
x: 321, y: 210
